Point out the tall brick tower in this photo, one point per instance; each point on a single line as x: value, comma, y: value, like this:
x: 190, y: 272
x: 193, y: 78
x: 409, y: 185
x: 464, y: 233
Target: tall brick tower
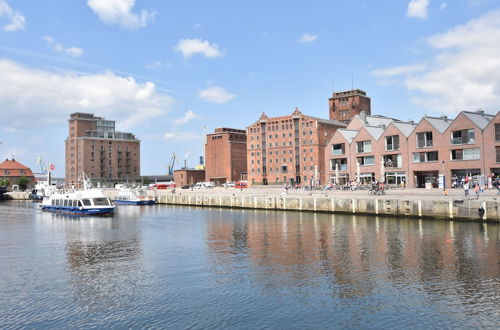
x: 346, y: 104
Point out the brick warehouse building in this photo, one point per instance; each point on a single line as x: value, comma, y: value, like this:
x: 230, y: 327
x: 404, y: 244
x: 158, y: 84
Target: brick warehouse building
x: 288, y: 149
x: 95, y: 148
x: 226, y: 155
x: 416, y: 155
x: 343, y: 106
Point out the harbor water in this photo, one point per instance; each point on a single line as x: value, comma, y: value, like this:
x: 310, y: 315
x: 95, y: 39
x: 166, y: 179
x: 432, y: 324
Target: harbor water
x: 186, y: 267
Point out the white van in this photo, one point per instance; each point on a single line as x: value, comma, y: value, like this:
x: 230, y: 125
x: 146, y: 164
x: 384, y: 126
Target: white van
x: 203, y: 185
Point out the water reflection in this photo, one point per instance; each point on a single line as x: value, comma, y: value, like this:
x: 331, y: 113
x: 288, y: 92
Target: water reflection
x: 356, y: 256
x: 103, y: 256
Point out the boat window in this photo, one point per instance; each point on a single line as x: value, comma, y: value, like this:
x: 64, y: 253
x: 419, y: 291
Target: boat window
x: 53, y: 202
x: 100, y: 201
x: 73, y: 203
x: 65, y: 202
x: 79, y: 203
x: 86, y: 202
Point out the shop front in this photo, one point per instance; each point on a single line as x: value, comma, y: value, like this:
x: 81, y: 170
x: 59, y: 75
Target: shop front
x: 426, y: 179
x: 395, y: 178
x: 365, y: 178
x: 343, y: 179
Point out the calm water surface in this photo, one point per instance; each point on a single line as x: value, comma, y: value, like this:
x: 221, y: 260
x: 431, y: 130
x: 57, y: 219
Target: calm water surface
x: 179, y: 267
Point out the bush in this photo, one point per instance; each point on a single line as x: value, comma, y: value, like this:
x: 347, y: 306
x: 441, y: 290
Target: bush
x: 4, y: 182
x: 22, y: 182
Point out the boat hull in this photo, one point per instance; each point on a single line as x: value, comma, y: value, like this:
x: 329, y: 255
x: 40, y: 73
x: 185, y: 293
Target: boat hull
x: 140, y: 202
x: 78, y: 211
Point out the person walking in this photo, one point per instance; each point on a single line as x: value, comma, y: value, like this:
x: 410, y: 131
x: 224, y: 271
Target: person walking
x: 466, y: 189
x: 476, y: 190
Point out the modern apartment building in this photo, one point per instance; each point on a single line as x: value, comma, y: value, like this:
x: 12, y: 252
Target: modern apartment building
x: 288, y: 149
x: 343, y: 106
x: 437, y: 149
x: 95, y: 148
x: 226, y: 155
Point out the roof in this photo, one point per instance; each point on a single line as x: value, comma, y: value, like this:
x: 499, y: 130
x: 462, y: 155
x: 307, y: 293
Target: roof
x: 440, y: 124
x: 376, y: 120
x: 375, y: 131
x: 12, y: 165
x: 348, y: 134
x: 480, y: 119
x: 327, y: 121
x: 405, y: 128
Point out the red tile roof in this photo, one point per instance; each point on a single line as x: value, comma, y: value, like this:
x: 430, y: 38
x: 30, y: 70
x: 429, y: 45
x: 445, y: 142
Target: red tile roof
x: 12, y: 165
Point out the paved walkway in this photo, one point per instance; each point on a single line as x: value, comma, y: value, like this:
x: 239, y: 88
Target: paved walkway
x: 423, y: 194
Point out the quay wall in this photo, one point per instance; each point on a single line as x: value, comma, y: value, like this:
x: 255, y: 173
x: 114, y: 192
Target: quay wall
x: 368, y: 205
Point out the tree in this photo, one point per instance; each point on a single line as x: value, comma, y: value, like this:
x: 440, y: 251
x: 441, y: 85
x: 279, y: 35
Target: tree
x: 22, y: 182
x: 4, y: 182
x: 146, y: 181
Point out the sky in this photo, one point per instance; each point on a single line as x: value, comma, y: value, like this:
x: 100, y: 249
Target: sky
x: 172, y: 71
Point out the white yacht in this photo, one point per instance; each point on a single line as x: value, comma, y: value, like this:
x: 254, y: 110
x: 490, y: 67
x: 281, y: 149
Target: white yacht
x: 128, y: 196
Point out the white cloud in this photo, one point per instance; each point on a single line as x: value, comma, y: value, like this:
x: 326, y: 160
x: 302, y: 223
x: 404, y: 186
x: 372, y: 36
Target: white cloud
x: 443, y: 6
x: 120, y: 12
x: 16, y: 20
x: 215, y: 94
x: 31, y: 97
x: 306, y: 38
x: 463, y: 70
x: 58, y: 47
x: 189, y: 47
x: 417, y: 8
x: 188, y: 116
x: 181, y: 136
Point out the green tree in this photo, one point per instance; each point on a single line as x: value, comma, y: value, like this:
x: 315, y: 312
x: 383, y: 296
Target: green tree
x: 146, y: 181
x: 22, y: 182
x: 4, y: 182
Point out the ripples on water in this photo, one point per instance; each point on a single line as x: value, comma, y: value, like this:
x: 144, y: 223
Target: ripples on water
x: 174, y: 267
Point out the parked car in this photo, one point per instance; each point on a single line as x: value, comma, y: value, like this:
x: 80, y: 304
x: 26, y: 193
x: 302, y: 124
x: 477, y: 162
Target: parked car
x: 241, y: 184
x: 203, y: 185
x: 187, y: 186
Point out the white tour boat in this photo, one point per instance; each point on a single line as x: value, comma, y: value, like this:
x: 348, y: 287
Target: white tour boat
x: 127, y: 196
x: 79, y: 202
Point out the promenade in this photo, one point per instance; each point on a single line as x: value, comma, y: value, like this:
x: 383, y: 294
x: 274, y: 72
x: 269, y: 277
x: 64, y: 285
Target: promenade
x: 399, y: 193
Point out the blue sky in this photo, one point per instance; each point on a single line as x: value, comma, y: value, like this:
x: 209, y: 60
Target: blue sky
x: 172, y: 71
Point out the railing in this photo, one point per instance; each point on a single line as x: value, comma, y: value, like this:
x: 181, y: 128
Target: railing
x: 337, y: 152
x: 461, y: 140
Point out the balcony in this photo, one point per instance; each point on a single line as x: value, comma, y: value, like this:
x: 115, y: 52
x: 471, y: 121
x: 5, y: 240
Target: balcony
x: 337, y: 152
x: 462, y: 140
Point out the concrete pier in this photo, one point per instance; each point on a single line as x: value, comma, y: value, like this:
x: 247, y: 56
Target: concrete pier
x: 366, y: 205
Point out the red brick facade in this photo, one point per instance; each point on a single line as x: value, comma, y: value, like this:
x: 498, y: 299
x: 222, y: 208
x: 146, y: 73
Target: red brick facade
x: 415, y: 155
x: 13, y: 170
x: 94, y: 147
x: 226, y: 155
x: 343, y: 106
x: 288, y: 149
x: 188, y: 177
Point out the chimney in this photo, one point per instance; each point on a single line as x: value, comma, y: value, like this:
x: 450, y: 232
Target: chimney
x: 443, y: 117
x: 480, y: 111
x: 362, y: 116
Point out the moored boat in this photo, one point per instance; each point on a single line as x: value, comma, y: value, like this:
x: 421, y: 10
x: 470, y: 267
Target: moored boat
x: 79, y: 202
x: 127, y: 196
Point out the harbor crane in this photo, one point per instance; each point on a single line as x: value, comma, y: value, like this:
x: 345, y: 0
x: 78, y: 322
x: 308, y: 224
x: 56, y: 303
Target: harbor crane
x: 173, y: 161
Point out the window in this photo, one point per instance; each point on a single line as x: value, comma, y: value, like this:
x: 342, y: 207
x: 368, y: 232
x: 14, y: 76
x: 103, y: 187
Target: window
x: 364, y: 146
x: 392, y: 142
x: 368, y: 160
x: 497, y: 132
x: 338, y: 149
x: 497, y: 149
x: 424, y: 157
x: 463, y: 136
x: 424, y: 139
x: 393, y: 160
x: 465, y: 154
x: 341, y: 163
